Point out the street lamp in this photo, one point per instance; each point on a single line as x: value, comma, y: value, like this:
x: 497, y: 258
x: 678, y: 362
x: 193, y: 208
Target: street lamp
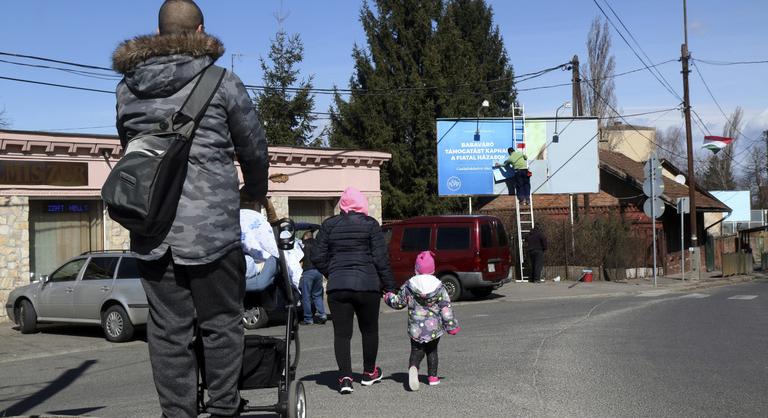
x: 556, y: 137
x: 484, y: 104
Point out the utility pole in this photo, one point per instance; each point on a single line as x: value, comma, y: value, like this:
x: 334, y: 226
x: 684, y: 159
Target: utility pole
x: 685, y: 56
x: 578, y: 110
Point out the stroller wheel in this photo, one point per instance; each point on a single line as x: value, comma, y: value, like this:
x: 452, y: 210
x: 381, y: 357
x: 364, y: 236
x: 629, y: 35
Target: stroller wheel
x: 255, y: 318
x: 297, y: 400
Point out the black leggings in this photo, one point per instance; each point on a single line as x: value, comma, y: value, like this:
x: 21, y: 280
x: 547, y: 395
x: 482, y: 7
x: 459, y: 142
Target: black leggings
x: 417, y: 354
x: 344, y: 305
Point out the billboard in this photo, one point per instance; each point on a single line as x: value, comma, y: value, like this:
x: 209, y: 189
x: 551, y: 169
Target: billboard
x: 468, y: 148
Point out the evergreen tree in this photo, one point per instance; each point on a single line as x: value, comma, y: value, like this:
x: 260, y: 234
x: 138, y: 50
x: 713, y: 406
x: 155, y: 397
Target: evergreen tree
x: 425, y: 59
x: 286, y: 110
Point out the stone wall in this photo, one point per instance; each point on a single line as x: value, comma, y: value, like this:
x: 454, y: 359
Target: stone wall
x: 14, y: 246
x: 117, y: 237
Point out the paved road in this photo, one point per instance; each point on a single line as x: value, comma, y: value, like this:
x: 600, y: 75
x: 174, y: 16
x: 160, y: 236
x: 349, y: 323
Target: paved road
x: 649, y: 353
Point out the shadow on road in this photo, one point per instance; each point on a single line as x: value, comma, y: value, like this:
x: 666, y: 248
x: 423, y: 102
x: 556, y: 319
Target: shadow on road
x: 53, y: 387
x: 326, y: 378
x: 84, y: 331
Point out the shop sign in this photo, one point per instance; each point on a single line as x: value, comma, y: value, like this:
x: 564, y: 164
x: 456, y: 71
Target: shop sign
x: 39, y: 173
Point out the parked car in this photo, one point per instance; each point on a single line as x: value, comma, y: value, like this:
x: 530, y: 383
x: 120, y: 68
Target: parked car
x: 471, y: 251
x: 100, y: 288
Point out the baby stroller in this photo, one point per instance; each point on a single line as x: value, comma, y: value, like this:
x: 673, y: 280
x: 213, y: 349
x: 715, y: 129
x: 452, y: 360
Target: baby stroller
x: 267, y: 361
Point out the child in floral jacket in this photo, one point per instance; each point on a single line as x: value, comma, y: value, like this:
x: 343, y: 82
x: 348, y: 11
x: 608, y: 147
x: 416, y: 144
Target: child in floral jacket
x: 429, y: 314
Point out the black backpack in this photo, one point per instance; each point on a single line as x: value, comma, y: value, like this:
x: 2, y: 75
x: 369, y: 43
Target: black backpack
x: 142, y: 192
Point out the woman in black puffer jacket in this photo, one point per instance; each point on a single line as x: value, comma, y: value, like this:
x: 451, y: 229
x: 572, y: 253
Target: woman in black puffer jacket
x: 351, y: 252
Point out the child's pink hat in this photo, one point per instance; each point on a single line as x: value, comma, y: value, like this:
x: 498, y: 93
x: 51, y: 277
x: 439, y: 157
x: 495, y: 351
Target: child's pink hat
x: 425, y: 262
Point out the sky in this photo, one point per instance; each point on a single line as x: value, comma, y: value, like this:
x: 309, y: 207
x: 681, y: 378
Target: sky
x: 537, y: 35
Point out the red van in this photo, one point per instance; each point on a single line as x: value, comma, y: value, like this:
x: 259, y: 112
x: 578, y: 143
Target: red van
x: 471, y: 251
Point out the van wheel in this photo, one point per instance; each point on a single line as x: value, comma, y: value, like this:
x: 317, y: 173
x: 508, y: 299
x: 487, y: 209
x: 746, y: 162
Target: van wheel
x: 452, y: 286
x: 255, y: 318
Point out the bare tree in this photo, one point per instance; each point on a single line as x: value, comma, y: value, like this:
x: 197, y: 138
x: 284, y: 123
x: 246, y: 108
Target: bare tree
x: 719, y: 174
x: 598, y: 93
x: 3, y: 120
x: 755, y: 178
x: 671, y: 146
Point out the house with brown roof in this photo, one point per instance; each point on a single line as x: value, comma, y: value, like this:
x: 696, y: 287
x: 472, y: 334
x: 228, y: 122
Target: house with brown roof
x: 621, y: 193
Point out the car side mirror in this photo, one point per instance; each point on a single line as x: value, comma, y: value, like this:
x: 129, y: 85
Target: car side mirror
x: 44, y: 278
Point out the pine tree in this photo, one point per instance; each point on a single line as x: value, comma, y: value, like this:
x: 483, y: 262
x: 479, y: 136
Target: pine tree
x: 286, y: 110
x: 424, y: 60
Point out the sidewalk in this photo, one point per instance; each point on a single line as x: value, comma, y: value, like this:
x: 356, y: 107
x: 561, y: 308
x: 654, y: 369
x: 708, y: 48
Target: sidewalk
x: 664, y: 284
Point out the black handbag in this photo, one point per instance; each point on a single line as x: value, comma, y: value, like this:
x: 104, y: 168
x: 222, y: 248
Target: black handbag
x: 142, y: 192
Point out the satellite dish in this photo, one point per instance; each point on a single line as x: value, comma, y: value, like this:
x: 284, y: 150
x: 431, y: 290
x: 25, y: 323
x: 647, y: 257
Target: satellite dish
x: 680, y: 178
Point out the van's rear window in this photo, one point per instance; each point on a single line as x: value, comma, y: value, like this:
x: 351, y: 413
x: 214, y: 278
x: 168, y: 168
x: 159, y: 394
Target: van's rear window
x: 502, y: 234
x: 415, y: 239
x: 452, y: 238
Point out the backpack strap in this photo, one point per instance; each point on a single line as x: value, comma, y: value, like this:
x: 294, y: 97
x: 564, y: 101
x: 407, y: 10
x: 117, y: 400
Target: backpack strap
x: 198, y: 100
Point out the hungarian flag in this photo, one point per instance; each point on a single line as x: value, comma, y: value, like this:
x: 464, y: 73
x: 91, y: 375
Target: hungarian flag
x: 716, y: 143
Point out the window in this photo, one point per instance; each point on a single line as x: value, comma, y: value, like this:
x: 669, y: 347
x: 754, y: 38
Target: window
x: 486, y: 239
x: 100, y: 268
x: 502, y: 234
x: 68, y: 272
x: 129, y: 269
x: 415, y: 239
x: 453, y: 238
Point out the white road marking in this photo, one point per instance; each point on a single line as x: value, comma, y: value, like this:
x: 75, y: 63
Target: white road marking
x: 694, y: 296
x: 743, y: 297
x: 653, y: 293
x: 480, y: 315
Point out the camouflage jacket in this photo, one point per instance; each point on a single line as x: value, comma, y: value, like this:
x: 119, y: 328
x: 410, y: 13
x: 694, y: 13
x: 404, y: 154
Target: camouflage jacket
x: 158, y: 76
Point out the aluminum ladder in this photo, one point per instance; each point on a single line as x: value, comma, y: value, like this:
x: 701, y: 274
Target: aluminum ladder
x: 525, y: 223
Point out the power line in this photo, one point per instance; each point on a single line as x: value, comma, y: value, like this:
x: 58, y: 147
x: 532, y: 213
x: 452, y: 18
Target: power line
x: 714, y: 62
x: 664, y: 83
x: 67, y: 70
x: 20, y: 80
x: 74, y: 64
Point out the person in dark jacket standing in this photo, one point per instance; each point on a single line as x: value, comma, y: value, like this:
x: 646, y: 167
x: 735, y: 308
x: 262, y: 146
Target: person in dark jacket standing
x: 311, y: 284
x: 537, y: 245
x: 198, y: 271
x: 351, y: 252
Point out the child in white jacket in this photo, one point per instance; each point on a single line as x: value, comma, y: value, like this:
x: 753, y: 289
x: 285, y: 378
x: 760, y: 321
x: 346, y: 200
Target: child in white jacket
x: 429, y: 315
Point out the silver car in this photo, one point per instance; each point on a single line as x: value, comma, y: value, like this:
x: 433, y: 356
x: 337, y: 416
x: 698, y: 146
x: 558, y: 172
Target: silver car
x: 101, y: 288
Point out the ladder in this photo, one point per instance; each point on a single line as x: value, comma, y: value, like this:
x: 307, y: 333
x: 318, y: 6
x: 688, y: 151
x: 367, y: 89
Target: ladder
x: 525, y: 223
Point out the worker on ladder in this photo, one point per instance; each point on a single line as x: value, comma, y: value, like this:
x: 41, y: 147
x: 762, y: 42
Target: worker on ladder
x: 521, y: 179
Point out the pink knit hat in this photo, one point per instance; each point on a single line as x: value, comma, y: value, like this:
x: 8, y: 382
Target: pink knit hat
x: 353, y: 200
x: 425, y: 263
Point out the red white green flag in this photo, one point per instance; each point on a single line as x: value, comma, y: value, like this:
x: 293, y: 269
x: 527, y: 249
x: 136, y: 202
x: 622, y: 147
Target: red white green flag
x: 716, y: 143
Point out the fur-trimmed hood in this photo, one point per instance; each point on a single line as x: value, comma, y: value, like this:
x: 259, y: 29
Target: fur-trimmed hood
x: 129, y: 54
x: 160, y: 65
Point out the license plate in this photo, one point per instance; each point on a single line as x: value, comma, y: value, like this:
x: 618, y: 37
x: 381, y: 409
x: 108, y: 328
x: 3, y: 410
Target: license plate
x: 491, y: 267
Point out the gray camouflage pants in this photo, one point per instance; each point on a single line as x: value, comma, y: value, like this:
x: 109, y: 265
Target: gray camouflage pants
x: 177, y: 294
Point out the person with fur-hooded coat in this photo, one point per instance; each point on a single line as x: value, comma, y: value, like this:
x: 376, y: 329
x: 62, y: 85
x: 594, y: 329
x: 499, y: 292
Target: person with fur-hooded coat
x: 196, y: 276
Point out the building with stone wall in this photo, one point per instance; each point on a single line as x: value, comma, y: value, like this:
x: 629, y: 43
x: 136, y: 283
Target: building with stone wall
x: 51, y: 210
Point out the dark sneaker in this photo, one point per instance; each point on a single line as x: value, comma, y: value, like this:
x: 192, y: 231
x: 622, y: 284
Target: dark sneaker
x: 320, y: 320
x: 413, y: 378
x: 371, y: 378
x: 345, y: 385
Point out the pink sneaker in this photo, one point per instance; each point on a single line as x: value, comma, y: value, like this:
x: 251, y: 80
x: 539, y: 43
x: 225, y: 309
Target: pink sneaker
x: 433, y: 380
x: 372, y: 377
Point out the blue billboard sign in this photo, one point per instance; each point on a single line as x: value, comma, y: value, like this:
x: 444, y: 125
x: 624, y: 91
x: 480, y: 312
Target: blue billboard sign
x: 467, y: 150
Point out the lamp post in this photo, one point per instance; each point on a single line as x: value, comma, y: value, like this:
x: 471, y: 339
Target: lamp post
x: 556, y: 137
x: 484, y: 104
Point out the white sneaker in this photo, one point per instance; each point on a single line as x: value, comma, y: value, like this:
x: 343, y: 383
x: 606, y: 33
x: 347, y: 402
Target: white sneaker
x: 413, y: 378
